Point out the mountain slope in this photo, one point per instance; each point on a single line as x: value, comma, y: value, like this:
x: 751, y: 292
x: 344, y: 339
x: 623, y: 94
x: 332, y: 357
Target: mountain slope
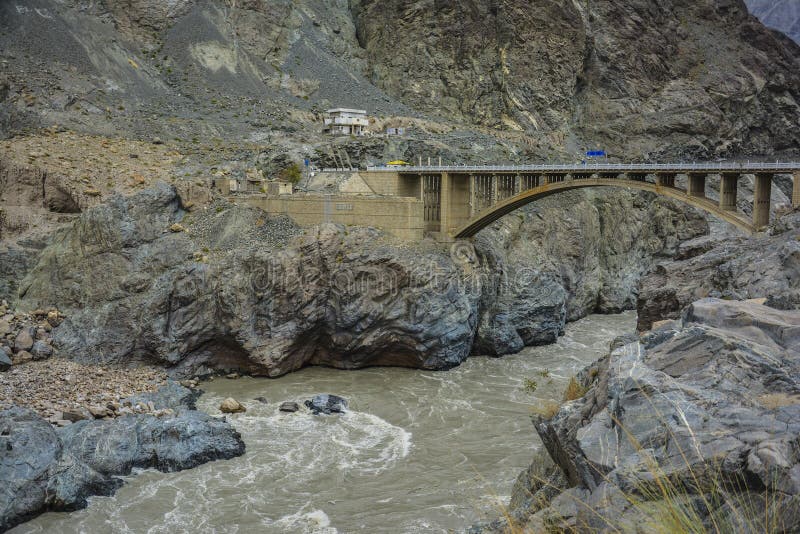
x: 642, y: 79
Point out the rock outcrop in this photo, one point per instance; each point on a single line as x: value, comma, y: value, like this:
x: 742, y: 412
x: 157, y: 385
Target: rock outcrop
x: 700, y: 415
x: 564, y: 258
x: 336, y: 296
x: 230, y: 293
x: 49, y: 469
x: 762, y: 266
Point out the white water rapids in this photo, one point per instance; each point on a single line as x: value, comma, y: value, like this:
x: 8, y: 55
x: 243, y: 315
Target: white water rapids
x: 419, y: 451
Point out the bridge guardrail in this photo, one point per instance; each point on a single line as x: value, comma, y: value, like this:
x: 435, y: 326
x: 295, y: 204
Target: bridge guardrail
x: 621, y: 167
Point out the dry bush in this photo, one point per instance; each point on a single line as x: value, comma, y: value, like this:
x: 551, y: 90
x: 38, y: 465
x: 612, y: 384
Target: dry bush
x: 574, y: 390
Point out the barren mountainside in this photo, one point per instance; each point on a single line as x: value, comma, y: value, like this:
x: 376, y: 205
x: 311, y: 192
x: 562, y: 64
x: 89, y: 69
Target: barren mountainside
x: 643, y: 79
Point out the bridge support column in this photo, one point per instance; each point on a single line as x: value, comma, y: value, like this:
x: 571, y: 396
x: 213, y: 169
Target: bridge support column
x: 761, y: 200
x: 471, y: 180
x: 518, y: 184
x: 495, y: 193
x: 665, y: 179
x: 796, y: 190
x: 697, y: 185
x: 445, y: 205
x: 727, y: 191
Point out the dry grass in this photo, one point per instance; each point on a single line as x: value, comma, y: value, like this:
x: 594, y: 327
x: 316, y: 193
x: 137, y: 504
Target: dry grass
x: 547, y: 409
x: 574, y: 390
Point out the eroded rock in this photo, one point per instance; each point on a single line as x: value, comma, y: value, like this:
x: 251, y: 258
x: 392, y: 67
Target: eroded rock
x: 713, y: 398
x: 49, y: 469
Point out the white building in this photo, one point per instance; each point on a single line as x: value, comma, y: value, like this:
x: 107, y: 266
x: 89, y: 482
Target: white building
x: 343, y: 121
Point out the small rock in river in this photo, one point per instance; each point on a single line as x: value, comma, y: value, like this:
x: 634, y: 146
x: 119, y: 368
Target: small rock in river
x: 231, y: 405
x: 290, y: 407
x: 327, y: 404
x: 262, y: 400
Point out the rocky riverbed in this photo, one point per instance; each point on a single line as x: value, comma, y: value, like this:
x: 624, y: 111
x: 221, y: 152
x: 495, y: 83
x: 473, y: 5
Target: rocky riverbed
x: 693, y: 424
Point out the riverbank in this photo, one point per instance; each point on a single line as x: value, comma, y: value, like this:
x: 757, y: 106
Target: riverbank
x: 694, y: 425
x: 45, y: 468
x: 418, y: 451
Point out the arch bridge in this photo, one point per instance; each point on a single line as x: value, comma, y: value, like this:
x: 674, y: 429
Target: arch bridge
x: 459, y: 201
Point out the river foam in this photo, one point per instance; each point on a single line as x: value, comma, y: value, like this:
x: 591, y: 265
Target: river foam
x: 418, y: 451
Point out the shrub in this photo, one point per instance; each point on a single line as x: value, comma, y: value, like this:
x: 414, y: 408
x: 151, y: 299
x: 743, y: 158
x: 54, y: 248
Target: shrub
x: 292, y: 173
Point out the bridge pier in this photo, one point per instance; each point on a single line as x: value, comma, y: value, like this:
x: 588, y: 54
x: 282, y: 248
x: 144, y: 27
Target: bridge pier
x: 697, y: 185
x: 761, y: 200
x: 665, y: 179
x: 728, y: 189
x: 432, y: 201
x: 796, y: 190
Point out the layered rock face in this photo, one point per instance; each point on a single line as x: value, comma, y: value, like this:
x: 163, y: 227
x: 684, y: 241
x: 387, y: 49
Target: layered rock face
x: 677, y: 78
x: 48, y: 469
x: 761, y: 266
x: 334, y: 297
x: 701, y: 415
x: 229, y: 293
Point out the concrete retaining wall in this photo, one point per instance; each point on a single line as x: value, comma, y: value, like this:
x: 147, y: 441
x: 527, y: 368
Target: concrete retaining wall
x: 399, y: 216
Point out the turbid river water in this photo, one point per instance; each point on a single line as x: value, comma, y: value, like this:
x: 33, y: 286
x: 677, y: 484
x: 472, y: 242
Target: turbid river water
x: 419, y: 451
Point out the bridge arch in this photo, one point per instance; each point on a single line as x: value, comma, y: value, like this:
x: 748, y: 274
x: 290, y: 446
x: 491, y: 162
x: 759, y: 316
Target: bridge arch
x: 504, y: 207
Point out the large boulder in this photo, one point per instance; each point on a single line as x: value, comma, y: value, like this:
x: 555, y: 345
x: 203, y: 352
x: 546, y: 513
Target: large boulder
x: 23, y: 341
x: 708, y: 407
x: 231, y: 405
x: 52, y: 470
x: 344, y: 297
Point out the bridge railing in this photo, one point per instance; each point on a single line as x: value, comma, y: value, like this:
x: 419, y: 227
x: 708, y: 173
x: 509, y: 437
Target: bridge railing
x: 621, y: 167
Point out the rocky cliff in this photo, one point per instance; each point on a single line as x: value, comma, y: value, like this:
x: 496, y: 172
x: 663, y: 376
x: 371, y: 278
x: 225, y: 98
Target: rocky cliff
x: 694, y: 425
x: 666, y: 79
x: 143, y: 279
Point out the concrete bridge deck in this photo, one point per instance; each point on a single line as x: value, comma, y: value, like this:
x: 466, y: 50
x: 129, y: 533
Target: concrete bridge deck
x: 456, y: 201
x: 460, y: 200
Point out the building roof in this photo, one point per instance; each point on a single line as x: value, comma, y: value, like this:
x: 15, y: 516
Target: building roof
x: 347, y: 110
